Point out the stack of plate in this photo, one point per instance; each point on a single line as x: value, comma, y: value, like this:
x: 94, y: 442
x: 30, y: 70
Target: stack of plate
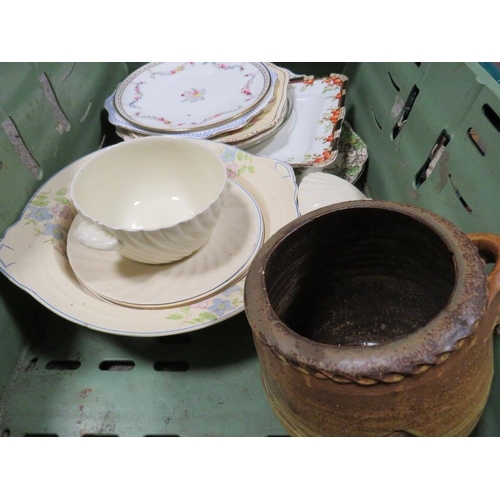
x: 258, y: 107
x: 231, y: 102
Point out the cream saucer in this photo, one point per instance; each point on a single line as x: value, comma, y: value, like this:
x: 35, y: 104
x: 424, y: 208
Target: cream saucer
x: 223, y: 260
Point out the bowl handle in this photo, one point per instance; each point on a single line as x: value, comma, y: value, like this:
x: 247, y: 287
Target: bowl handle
x: 93, y: 237
x: 489, y: 249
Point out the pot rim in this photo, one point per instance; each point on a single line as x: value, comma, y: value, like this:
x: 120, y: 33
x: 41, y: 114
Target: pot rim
x: 411, y: 354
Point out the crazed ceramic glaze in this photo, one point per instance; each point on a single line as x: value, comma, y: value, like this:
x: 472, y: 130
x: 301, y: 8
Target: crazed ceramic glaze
x: 154, y: 200
x: 33, y: 252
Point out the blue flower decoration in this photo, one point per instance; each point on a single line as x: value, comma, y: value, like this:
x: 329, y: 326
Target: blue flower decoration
x: 54, y: 230
x: 219, y: 306
x: 39, y: 213
x: 230, y: 290
x: 228, y: 155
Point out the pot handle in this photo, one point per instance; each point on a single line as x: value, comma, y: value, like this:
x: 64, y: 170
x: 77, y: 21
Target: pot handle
x: 489, y: 248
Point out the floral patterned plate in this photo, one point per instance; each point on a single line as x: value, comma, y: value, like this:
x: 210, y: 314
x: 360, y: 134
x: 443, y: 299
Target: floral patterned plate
x: 311, y: 134
x: 189, y: 96
x: 119, y: 121
x: 33, y: 252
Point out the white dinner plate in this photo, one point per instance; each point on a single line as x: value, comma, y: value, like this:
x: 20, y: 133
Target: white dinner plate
x: 187, y: 96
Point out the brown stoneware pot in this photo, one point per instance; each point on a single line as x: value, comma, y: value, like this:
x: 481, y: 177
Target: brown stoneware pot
x: 373, y: 318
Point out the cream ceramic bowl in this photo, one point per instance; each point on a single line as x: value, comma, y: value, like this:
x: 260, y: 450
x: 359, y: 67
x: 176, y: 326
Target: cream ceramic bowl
x: 154, y: 200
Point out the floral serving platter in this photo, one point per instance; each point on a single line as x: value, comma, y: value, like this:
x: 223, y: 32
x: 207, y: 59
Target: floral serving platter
x: 350, y: 161
x: 311, y: 134
x: 33, y: 252
x: 225, y: 258
x: 116, y: 119
x: 187, y: 96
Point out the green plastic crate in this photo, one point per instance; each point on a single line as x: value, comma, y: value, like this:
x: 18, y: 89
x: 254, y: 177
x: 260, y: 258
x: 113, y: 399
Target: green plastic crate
x: 60, y: 379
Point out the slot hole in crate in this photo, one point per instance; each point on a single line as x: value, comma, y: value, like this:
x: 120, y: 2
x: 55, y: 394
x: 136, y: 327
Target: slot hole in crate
x: 410, y: 101
x: 376, y: 120
x: 31, y: 365
x: 6, y: 433
x: 493, y: 118
x: 41, y: 435
x: 99, y: 435
x: 121, y: 365
x: 432, y: 160
x: 162, y: 435
x: 63, y: 364
x: 393, y: 82
x: 418, y: 64
x: 459, y: 196
x: 477, y: 141
x: 171, y: 366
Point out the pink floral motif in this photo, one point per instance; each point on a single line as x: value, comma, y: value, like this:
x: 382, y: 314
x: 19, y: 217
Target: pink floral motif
x: 246, y: 88
x: 138, y: 95
x: 227, y: 66
x: 174, y: 71
x: 62, y: 210
x: 232, y: 170
x: 193, y: 95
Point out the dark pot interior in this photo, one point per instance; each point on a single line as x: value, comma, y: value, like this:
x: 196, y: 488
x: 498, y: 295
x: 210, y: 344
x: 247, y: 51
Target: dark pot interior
x: 360, y: 276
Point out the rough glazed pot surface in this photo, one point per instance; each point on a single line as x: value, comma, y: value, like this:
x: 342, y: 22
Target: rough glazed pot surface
x: 369, y: 319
